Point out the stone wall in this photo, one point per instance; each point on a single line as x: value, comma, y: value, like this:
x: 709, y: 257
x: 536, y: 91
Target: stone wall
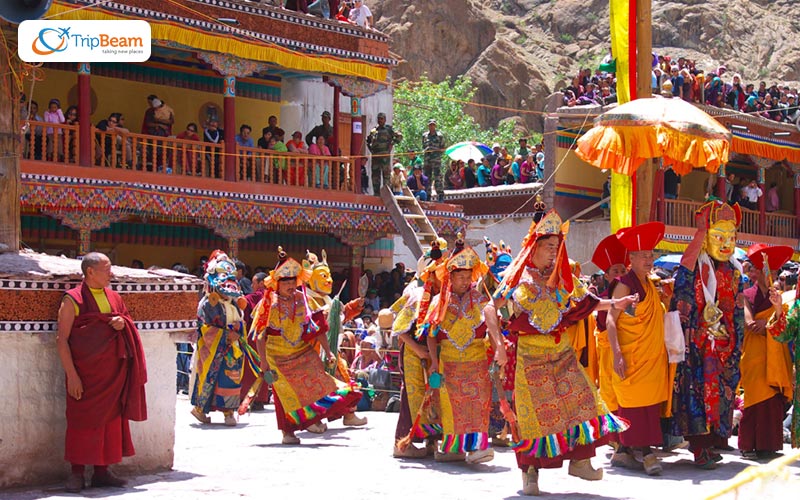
x: 32, y: 413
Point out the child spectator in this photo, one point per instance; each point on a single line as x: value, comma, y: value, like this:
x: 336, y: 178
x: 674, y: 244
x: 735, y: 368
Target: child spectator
x: 70, y: 141
x: 398, y: 179
x: 53, y: 115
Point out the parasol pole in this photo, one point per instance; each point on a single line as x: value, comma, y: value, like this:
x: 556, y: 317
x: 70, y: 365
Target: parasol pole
x: 644, y: 179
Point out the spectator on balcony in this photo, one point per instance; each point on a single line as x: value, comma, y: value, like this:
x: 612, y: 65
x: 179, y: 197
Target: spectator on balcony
x: 325, y: 130
x: 730, y: 188
x: 773, y: 201
x: 736, y: 96
x: 343, y: 12
x: 750, y: 195
x: 468, y: 174
x: 297, y: 5
x: 792, y: 112
x: 418, y: 183
x: 499, y: 172
x: 266, y: 135
x: 515, y: 168
x: 672, y: 184
x: 279, y: 164
x: 414, y: 159
x: 361, y: 15
x: 272, y: 125
x: 243, y: 138
x: 540, y: 162
x: 296, y: 145
x: 494, y: 155
x: 188, y: 161
x: 484, y: 173
x: 36, y: 144
x: 454, y: 178
x: 53, y: 115
x: 522, y: 150
x: 158, y: 118
x: 527, y: 170
x: 714, y: 88
x: 70, y: 140
x: 321, y: 167
x: 214, y: 135
x: 677, y: 80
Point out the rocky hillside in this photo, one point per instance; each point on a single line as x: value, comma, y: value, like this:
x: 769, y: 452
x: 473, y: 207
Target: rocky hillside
x: 518, y: 51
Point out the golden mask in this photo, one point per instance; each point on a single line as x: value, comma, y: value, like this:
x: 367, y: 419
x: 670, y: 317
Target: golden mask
x: 321, y: 280
x: 721, y: 240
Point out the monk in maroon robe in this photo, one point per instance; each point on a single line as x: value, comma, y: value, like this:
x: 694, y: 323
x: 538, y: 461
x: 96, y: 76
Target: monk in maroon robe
x: 104, y: 364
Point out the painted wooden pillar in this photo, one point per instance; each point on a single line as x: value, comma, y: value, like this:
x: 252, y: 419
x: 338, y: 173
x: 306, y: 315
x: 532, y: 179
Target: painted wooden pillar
x: 661, y: 211
x: 356, y: 269
x: 336, y: 150
x: 797, y: 202
x: 233, y: 247
x: 356, y: 148
x: 762, y: 201
x: 85, y: 114
x: 229, y: 125
x: 85, y: 245
x: 721, y: 184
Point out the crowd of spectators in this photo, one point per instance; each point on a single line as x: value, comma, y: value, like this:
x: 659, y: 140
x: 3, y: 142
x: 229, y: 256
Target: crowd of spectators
x: 351, y: 11
x: 681, y: 78
x: 495, y: 169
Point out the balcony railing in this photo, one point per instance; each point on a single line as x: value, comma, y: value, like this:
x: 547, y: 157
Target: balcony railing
x: 294, y: 169
x: 172, y: 156
x: 780, y: 225
x: 51, y: 142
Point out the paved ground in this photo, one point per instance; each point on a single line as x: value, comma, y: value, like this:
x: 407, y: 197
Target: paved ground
x: 216, y: 462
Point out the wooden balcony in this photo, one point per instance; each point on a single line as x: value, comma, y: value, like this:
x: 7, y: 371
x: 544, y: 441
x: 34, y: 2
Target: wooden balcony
x: 171, y: 158
x: 779, y: 225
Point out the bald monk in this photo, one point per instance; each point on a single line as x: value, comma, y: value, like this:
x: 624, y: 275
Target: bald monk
x: 104, y: 364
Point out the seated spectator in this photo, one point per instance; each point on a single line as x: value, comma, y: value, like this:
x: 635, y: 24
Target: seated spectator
x: 367, y: 355
x: 361, y: 15
x: 751, y: 193
x: 343, y: 13
x: 499, y: 172
x: 454, y: 180
x: 398, y: 179
x: 607, y: 96
x: 418, y: 183
x: 792, y: 112
x: 468, y: 174
x: 296, y: 145
x: 516, y: 168
x: 736, y: 96
x: 527, y: 169
x: 484, y: 173
x: 297, y: 5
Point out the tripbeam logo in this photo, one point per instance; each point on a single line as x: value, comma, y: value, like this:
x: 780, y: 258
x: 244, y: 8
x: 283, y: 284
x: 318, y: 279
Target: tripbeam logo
x: 84, y: 41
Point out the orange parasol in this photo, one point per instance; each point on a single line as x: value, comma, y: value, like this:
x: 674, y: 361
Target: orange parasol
x: 681, y: 134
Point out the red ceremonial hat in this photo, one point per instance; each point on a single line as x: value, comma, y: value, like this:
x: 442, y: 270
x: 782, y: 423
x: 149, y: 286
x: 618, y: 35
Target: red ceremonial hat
x: 641, y: 237
x: 776, y: 256
x: 610, y: 252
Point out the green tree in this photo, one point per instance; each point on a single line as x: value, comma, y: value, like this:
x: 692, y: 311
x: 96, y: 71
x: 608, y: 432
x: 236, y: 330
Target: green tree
x: 417, y: 102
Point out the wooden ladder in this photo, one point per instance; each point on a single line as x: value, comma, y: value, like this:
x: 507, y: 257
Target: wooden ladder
x: 407, y: 214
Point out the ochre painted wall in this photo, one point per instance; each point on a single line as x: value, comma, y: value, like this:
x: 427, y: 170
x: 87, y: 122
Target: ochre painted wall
x: 575, y: 171
x: 130, y: 99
